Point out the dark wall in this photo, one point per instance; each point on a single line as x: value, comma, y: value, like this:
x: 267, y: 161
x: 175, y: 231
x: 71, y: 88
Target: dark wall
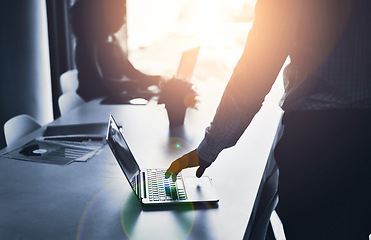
x: 25, y: 85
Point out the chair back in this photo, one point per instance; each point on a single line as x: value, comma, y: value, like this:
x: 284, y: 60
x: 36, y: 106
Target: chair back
x: 69, y: 81
x: 19, y: 126
x: 69, y: 101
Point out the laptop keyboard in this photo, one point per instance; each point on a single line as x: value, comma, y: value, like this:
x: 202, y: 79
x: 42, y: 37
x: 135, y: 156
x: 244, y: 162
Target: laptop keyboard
x: 162, y: 189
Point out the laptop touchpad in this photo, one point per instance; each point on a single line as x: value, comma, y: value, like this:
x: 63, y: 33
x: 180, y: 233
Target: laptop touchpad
x: 200, y: 189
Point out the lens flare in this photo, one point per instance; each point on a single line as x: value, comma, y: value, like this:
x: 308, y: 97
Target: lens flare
x: 185, y: 215
x: 88, y: 210
x: 128, y: 216
x: 176, y: 144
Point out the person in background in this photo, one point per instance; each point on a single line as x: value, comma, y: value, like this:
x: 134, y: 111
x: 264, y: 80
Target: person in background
x: 324, y: 154
x: 103, y: 67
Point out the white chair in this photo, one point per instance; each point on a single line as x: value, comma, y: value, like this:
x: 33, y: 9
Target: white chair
x: 69, y: 81
x: 69, y: 101
x: 19, y: 126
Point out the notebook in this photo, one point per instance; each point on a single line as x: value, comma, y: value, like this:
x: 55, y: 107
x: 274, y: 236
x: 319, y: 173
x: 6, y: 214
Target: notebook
x: 150, y: 185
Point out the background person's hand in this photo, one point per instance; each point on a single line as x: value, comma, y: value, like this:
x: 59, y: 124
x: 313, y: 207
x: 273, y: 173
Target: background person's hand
x: 188, y: 160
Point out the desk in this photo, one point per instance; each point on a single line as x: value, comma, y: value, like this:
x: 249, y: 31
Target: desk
x: 92, y: 200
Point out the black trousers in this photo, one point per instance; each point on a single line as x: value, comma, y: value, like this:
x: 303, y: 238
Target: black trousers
x: 324, y: 159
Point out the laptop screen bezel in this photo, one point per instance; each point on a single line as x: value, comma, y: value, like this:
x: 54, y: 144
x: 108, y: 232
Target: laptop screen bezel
x: 135, y: 180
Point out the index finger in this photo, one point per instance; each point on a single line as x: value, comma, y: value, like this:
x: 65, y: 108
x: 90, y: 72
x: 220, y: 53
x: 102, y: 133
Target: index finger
x: 173, y: 170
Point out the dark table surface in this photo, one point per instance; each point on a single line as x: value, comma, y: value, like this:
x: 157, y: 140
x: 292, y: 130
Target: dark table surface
x: 92, y: 200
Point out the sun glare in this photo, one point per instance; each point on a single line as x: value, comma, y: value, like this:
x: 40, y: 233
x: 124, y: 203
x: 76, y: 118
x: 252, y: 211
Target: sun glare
x: 160, y: 32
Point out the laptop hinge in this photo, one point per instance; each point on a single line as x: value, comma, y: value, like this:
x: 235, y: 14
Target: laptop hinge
x: 143, y: 185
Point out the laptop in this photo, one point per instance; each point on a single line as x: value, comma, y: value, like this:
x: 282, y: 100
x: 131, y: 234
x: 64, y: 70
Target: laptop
x: 187, y: 64
x: 87, y: 134
x: 150, y: 185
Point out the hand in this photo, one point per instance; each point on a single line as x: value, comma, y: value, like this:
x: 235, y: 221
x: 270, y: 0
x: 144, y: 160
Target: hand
x: 190, y: 159
x: 153, y: 80
x: 150, y: 84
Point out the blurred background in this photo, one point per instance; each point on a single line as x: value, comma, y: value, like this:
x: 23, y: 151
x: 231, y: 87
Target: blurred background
x: 159, y: 31
x: 37, y: 46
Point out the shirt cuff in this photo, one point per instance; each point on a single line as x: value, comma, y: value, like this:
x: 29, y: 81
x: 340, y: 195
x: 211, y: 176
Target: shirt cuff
x: 206, y: 153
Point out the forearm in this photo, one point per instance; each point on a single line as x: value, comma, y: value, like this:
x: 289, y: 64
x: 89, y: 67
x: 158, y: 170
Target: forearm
x: 265, y: 52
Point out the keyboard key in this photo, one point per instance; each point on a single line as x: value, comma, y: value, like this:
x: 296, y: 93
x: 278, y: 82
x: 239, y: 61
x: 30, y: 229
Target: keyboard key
x: 161, y: 189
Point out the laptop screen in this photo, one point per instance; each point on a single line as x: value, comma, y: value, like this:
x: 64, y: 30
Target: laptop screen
x: 187, y: 64
x: 123, y: 154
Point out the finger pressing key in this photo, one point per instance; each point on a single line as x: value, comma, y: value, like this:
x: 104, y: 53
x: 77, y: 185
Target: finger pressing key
x: 187, y: 160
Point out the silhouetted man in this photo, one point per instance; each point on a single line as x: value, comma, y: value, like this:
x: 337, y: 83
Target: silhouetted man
x: 103, y: 67
x: 324, y: 155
